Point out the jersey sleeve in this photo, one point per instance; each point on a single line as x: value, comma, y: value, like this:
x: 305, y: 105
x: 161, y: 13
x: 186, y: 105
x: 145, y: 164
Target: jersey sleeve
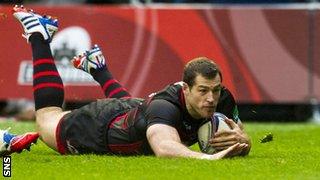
x: 162, y: 112
x: 227, y: 105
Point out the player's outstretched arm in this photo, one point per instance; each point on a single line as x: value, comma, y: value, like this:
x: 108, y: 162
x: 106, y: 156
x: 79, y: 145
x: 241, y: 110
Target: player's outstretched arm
x: 165, y: 142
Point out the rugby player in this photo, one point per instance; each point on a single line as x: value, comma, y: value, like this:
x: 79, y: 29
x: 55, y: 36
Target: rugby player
x: 165, y: 124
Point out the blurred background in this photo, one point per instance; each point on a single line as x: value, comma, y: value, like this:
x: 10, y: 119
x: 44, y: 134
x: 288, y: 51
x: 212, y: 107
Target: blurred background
x: 268, y: 51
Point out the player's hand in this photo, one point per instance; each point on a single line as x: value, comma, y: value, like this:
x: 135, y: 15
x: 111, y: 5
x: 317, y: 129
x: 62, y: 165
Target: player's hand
x: 231, y: 151
x: 224, y: 139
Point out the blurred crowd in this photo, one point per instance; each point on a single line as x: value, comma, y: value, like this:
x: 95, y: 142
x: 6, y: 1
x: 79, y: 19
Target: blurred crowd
x: 17, y: 109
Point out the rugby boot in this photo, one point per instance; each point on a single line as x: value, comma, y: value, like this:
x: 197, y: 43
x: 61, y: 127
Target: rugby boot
x: 10, y: 143
x: 90, y: 60
x: 32, y: 22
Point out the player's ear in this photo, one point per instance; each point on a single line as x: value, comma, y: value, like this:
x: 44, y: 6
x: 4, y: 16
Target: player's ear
x: 185, y: 88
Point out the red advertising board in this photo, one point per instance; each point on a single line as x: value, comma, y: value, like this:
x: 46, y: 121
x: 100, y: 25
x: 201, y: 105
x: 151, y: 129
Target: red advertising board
x: 263, y: 53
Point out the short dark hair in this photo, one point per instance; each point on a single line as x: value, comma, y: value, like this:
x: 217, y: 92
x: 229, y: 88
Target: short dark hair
x: 201, y: 65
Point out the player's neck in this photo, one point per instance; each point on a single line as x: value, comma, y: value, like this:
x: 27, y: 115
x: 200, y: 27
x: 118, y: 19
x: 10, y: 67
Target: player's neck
x: 191, y: 110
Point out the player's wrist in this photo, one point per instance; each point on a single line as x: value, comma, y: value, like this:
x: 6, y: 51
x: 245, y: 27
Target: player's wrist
x: 207, y: 157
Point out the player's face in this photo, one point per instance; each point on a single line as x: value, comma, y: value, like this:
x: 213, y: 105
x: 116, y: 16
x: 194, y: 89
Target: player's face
x: 202, y: 98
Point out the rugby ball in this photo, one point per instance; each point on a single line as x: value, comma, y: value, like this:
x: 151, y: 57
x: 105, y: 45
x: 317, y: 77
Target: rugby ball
x: 207, y: 130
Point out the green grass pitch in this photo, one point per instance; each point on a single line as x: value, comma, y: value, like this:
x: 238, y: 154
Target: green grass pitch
x: 293, y: 154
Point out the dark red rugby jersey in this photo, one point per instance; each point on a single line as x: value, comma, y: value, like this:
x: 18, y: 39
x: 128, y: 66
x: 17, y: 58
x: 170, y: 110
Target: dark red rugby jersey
x: 127, y: 132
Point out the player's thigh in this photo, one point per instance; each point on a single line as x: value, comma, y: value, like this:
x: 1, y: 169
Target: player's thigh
x: 47, y: 120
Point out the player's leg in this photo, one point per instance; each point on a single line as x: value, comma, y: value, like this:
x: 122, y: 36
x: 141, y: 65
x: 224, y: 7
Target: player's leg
x: 47, y: 84
x: 93, y: 62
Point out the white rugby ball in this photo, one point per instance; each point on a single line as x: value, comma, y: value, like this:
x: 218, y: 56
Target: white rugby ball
x: 207, y: 130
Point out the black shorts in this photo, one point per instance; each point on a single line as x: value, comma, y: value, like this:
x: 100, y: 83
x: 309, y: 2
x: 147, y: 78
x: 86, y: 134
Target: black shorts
x: 84, y: 130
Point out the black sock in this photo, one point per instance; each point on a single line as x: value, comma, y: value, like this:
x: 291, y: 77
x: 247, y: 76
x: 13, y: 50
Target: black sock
x: 47, y: 84
x: 110, y: 86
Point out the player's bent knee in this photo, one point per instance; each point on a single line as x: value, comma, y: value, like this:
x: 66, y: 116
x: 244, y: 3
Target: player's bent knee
x: 47, y: 120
